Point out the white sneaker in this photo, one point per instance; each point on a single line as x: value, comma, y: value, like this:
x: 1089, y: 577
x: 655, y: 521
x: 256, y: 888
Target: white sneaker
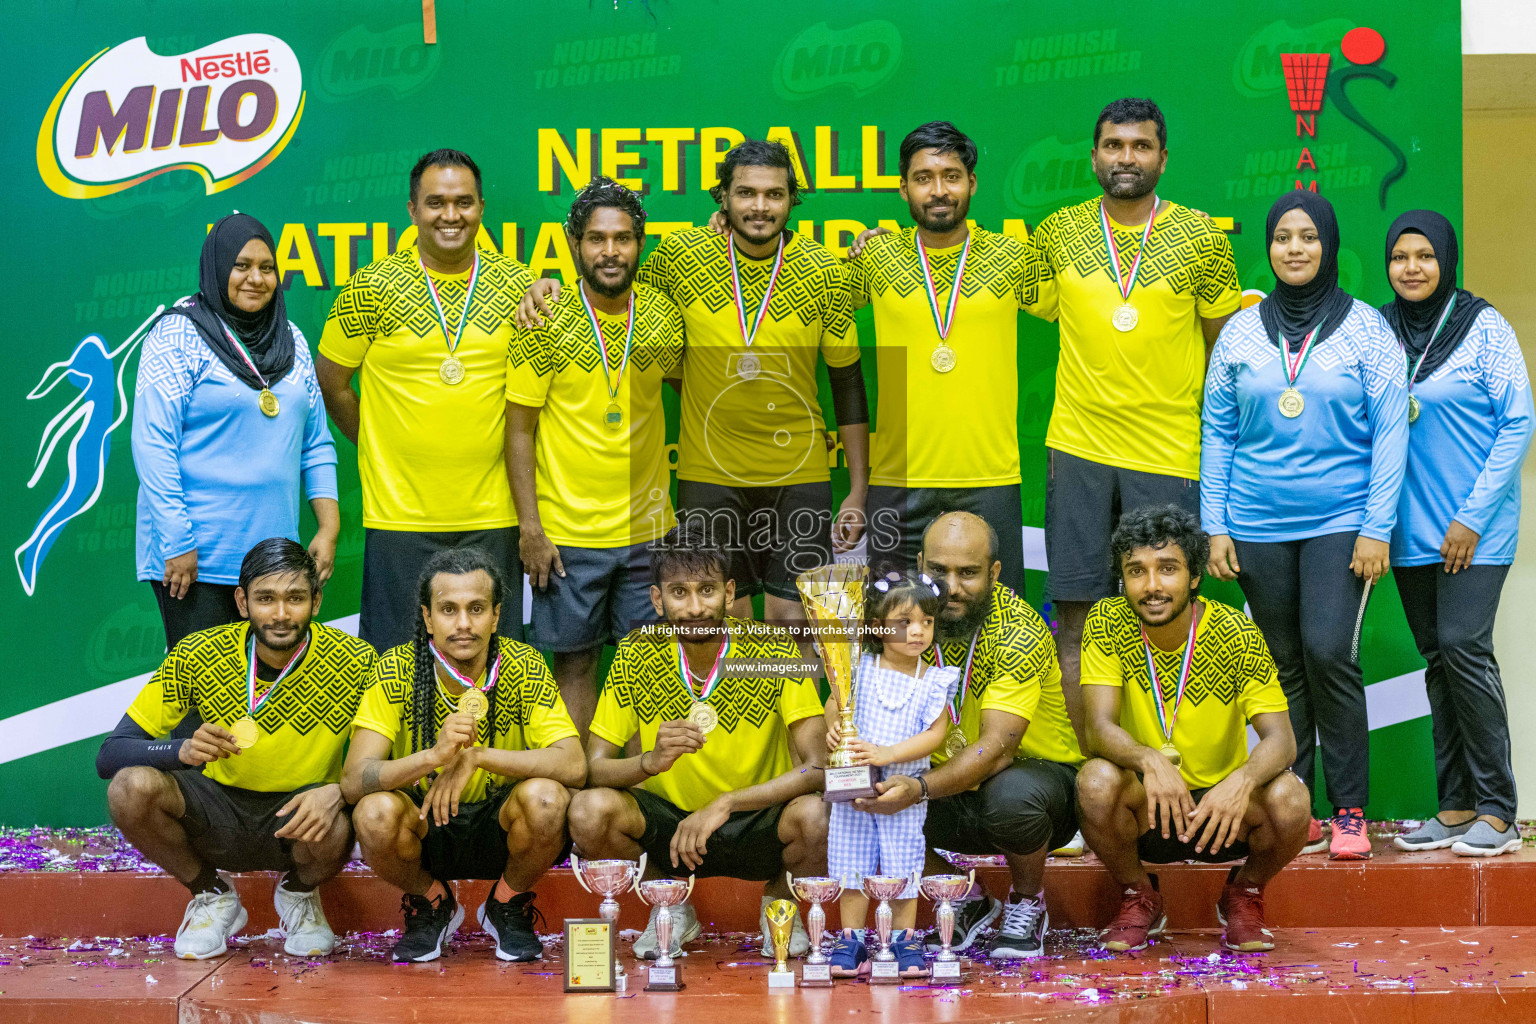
x: 211, y: 918
x: 685, y: 928
x: 799, y: 941
x: 302, y: 921
x: 1072, y: 847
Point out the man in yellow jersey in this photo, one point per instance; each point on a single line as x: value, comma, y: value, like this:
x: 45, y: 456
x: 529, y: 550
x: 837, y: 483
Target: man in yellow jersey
x: 426, y: 332
x: 947, y: 298
x: 586, y: 444
x: 461, y: 759
x: 1170, y: 683
x: 727, y: 780
x: 761, y: 304
x: 1004, y: 781
x: 1141, y: 287
x: 254, y: 788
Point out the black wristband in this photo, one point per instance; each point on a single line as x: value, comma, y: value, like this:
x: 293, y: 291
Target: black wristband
x: 924, y: 783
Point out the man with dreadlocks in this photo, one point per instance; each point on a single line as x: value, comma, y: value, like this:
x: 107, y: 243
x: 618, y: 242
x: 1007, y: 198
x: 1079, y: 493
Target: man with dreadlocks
x: 461, y: 754
x: 586, y: 443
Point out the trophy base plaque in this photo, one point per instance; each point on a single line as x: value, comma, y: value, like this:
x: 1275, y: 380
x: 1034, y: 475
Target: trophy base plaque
x: 664, y: 979
x: 845, y: 784
x: 816, y: 975
x: 781, y: 979
x: 946, y: 970
x: 883, y: 972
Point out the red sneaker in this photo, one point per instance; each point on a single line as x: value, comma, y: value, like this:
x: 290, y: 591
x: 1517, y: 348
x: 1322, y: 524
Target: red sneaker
x: 1139, y: 920
x: 1316, y: 842
x: 1241, y: 912
x: 1349, y: 839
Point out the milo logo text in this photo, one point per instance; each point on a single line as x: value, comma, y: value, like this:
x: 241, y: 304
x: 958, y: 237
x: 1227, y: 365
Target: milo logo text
x: 821, y: 57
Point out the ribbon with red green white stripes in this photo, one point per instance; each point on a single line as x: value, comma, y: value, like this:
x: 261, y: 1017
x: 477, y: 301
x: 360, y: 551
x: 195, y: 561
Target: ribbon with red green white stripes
x: 749, y: 336
x: 1126, y: 282
x: 944, y: 323
x: 437, y: 302
x: 1164, y: 720
x: 256, y: 703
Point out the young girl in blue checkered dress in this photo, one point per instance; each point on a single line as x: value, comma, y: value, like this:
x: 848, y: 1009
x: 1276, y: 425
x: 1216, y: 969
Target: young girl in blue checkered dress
x: 901, y: 710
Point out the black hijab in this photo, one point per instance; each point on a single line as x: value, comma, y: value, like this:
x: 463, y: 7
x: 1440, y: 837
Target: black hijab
x: 1293, y: 310
x: 1414, y: 322
x: 265, y: 333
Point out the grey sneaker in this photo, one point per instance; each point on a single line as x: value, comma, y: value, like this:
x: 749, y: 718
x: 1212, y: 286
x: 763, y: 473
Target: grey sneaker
x: 799, y: 941
x: 1434, y: 834
x: 305, y: 929
x: 971, y: 917
x: 206, y: 927
x: 1482, y: 840
x: 1021, y: 934
x: 685, y: 928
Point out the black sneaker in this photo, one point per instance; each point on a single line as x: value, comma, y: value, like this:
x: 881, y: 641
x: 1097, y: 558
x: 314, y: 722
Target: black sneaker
x: 427, y: 927
x: 1021, y: 935
x: 512, y: 925
x: 970, y: 918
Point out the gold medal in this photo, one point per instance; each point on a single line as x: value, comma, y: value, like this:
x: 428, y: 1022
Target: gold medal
x: 749, y: 367
x: 473, y: 702
x: 704, y: 716
x: 1171, y: 752
x: 1124, y: 317
x: 245, y: 732
x: 451, y: 370
x: 267, y: 403
x: 1291, y: 403
x: 954, y: 741
x: 1413, y: 408
x: 613, y: 418
x: 943, y: 358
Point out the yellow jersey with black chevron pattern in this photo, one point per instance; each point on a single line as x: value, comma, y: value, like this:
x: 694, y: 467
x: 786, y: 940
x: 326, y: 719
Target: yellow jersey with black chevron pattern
x: 526, y: 710
x: 599, y: 488
x: 429, y: 453
x: 752, y: 418
x: 750, y: 745
x: 1231, y: 679
x: 1015, y: 670
x: 1132, y: 399
x: 977, y: 401
x: 302, y: 728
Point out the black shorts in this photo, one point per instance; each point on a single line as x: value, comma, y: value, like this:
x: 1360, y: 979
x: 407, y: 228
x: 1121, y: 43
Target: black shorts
x: 235, y: 829
x: 1154, y: 849
x: 770, y: 535
x: 1026, y: 805
x: 392, y: 562
x: 605, y: 593
x: 747, y: 846
x: 472, y: 845
x: 1083, y: 504
x: 897, y: 517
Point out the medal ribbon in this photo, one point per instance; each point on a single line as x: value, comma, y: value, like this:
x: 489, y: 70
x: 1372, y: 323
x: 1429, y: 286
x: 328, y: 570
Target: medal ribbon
x: 1444, y: 315
x: 1293, y: 365
x: 602, y: 346
x: 437, y: 303
x: 250, y: 678
x: 741, y: 303
x: 965, y: 677
x: 942, y: 325
x: 715, y: 672
x: 250, y: 363
x: 1126, y: 283
x: 492, y: 672
x: 1165, y: 722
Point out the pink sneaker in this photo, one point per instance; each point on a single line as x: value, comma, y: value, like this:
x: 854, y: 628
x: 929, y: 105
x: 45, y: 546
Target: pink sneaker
x: 1316, y: 841
x: 1349, y: 839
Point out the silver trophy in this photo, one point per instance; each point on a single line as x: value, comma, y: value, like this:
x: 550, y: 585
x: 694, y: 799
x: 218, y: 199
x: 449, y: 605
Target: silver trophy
x: 944, y: 890
x: 666, y: 974
x: 815, y: 890
x: 882, y: 969
x: 608, y: 879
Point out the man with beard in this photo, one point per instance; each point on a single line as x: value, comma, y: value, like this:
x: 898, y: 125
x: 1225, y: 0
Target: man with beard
x: 946, y: 302
x: 426, y: 333
x: 723, y: 783
x: 1170, y: 682
x: 760, y: 305
x: 1004, y: 782
x: 1141, y: 287
x: 254, y: 788
x: 586, y: 444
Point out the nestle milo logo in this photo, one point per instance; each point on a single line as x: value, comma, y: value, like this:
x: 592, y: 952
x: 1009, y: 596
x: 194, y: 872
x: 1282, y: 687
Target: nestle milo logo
x: 863, y: 56
x: 1258, y: 70
x: 1050, y: 174
x: 395, y: 59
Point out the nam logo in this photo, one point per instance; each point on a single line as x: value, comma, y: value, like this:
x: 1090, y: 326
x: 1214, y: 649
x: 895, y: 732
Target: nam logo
x: 821, y: 57
x: 1257, y: 71
x: 224, y: 111
x: 396, y: 59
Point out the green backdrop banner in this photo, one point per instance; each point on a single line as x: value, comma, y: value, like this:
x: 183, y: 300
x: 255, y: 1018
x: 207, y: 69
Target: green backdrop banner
x: 151, y: 120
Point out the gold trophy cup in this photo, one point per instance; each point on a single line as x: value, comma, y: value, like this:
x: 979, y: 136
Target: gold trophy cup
x: 833, y: 596
x: 781, y: 922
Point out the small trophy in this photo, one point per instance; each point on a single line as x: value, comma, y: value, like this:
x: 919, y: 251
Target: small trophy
x: 833, y: 596
x: 666, y: 974
x: 882, y: 969
x: 944, y: 890
x: 781, y: 921
x: 608, y: 879
x: 817, y: 970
